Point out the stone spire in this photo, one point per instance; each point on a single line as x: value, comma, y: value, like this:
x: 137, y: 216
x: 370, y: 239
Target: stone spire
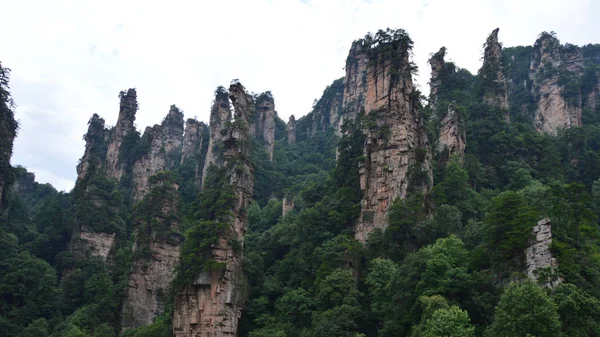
x: 452, y: 135
x: 495, y: 91
x: 554, y: 111
x: 396, y: 148
x: 212, y: 305
x: 437, y: 66
x: 220, y: 114
x: 264, y: 124
x: 95, y: 148
x: 291, y: 130
x: 114, y: 168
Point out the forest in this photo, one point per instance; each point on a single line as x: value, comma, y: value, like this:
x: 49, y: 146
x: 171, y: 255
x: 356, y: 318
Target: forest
x: 450, y: 257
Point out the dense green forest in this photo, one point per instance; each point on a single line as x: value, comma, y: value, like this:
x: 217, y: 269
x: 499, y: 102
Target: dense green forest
x: 449, y: 263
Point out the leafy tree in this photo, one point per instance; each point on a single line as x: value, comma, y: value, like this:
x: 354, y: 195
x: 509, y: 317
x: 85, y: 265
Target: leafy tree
x: 525, y: 310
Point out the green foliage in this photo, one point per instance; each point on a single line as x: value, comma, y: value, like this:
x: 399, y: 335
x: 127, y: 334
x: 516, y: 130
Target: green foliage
x: 525, y: 310
x: 208, y: 219
x: 451, y: 322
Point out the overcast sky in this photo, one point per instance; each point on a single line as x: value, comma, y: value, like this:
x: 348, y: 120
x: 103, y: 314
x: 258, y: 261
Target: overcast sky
x: 70, y: 59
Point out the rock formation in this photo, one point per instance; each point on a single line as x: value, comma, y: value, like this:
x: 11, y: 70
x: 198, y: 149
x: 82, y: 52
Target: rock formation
x: 291, y: 130
x: 452, y: 135
x: 437, y: 66
x: 327, y: 111
x: 264, y: 122
x: 192, y: 139
x: 173, y: 137
x: 538, y: 255
x: 220, y: 115
x: 114, y: 167
x: 396, y: 147
x: 95, y: 148
x: 287, y: 205
x: 495, y: 89
x: 212, y: 305
x: 155, y: 254
x: 557, y: 107
x: 8, y: 132
x: 163, y: 146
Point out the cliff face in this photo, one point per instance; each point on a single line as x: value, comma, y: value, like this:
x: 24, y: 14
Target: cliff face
x: 291, y: 130
x: 553, y: 67
x: 264, y: 121
x: 328, y: 111
x: 156, y: 253
x: 163, y: 144
x: 212, y: 305
x: 437, y: 66
x: 452, y: 135
x: 95, y: 147
x: 220, y: 115
x: 537, y: 253
x: 114, y: 167
x: 8, y: 132
x: 396, y: 143
x: 495, y: 91
x: 192, y: 139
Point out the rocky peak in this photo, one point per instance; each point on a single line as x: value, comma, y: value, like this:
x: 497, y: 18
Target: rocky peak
x: 264, y: 123
x: 95, y: 147
x: 327, y: 111
x: 192, y: 139
x: 557, y: 106
x: 212, y: 305
x: 124, y: 127
x: 437, y: 66
x: 291, y: 130
x: 173, y: 136
x: 396, y: 144
x: 220, y: 116
x: 495, y: 89
x: 452, y: 135
x: 538, y: 255
x: 152, y: 162
x: 155, y: 253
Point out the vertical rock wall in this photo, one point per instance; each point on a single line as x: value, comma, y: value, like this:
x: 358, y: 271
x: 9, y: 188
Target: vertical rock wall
x: 537, y: 253
x: 192, y: 139
x: 114, y: 168
x: 437, y: 66
x: 452, y: 135
x: 220, y: 115
x: 495, y: 92
x: 163, y: 147
x: 549, y: 63
x: 264, y: 121
x: 212, y: 305
x: 291, y: 130
x: 95, y: 148
x: 156, y: 253
x: 396, y: 143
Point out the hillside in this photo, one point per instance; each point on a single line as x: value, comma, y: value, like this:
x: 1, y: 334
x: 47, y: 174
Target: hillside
x: 472, y: 212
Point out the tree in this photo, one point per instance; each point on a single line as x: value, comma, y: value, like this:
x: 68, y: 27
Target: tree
x: 525, y: 310
x: 451, y: 322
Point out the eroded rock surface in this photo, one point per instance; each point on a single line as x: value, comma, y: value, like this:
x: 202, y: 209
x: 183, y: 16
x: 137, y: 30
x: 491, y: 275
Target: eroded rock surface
x: 452, y: 135
x: 537, y: 254
x: 396, y: 145
x: 555, y: 109
x: 291, y: 130
x: 220, y: 115
x: 491, y: 72
x: 212, y: 305
x: 264, y: 121
x: 156, y: 253
x: 114, y: 167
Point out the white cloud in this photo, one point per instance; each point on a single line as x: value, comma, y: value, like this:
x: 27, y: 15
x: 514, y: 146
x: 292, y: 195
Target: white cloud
x: 70, y: 58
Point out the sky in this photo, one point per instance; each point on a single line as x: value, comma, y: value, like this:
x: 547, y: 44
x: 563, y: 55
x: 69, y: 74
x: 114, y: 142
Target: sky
x: 71, y: 58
